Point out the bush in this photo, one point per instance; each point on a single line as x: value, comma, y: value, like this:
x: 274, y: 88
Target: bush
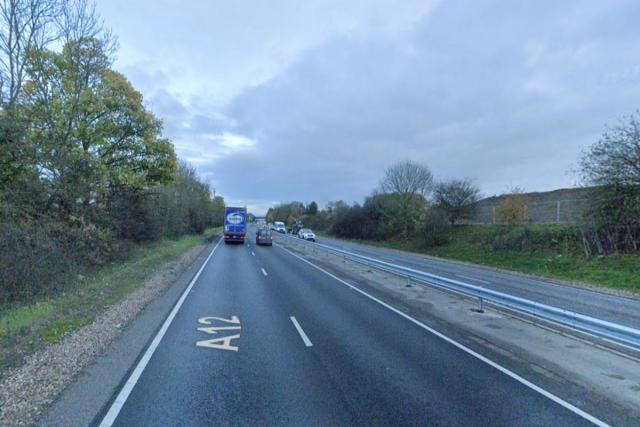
x: 562, y: 238
x: 38, y: 256
x: 511, y: 209
x: 437, y: 228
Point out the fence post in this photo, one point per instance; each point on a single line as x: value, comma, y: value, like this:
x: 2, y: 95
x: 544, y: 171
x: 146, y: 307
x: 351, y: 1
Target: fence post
x: 558, y: 212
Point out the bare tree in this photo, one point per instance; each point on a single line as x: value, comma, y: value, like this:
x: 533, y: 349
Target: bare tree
x: 24, y: 25
x: 456, y: 198
x: 411, y: 182
x: 408, y: 179
x: 27, y: 25
x: 613, y: 164
x: 615, y: 159
x: 78, y: 20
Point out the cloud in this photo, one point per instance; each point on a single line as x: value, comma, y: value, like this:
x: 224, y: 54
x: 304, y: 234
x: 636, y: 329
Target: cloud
x: 234, y: 142
x: 506, y: 93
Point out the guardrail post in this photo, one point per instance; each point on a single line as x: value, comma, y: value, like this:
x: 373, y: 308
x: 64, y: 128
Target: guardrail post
x: 480, y: 305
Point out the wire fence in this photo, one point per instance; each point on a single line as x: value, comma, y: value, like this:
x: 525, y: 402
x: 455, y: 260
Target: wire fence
x: 567, y: 211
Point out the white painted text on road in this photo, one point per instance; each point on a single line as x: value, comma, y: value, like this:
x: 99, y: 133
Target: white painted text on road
x: 221, y: 343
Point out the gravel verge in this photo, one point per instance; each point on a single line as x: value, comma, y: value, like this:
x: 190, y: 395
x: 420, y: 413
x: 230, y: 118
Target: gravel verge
x: 28, y: 390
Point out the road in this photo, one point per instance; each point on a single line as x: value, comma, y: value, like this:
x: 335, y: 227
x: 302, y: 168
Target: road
x: 294, y: 346
x: 618, y: 309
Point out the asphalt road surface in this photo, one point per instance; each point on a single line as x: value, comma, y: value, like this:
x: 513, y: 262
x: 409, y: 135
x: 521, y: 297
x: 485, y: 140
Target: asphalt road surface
x: 263, y: 337
x: 618, y: 309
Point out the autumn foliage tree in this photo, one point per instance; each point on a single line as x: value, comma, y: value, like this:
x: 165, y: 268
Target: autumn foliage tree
x: 84, y: 167
x: 511, y: 209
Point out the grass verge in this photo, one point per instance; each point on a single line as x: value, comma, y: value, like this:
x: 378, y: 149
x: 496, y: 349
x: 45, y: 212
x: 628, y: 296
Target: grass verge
x: 556, y: 259
x: 26, y: 328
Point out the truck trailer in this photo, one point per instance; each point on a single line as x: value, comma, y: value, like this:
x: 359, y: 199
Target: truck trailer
x: 235, y: 224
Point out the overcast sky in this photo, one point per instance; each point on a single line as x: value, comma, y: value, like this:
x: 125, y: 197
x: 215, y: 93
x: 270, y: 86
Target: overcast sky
x: 311, y: 100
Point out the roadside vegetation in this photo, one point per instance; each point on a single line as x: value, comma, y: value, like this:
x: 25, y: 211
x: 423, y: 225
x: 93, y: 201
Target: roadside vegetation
x: 26, y: 328
x: 86, y: 176
x: 412, y: 211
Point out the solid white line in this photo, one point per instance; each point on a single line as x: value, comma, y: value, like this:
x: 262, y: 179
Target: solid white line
x: 304, y: 336
x: 117, y: 405
x: 466, y: 349
x: 264, y: 272
x: 473, y: 278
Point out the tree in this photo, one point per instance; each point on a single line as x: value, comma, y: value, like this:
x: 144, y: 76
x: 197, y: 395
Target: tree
x: 218, y: 211
x: 412, y: 182
x: 93, y: 131
x: 312, y: 208
x: 511, y: 209
x: 83, y: 165
x: 456, y: 198
x: 613, y: 164
x: 407, y: 179
x: 437, y: 227
x: 286, y: 212
x: 615, y: 158
x: 25, y: 25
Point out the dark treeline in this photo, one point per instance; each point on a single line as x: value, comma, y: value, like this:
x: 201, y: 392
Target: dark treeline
x: 84, y: 168
x: 400, y: 209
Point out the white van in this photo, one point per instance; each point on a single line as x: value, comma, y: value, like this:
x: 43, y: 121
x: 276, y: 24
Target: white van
x: 279, y: 226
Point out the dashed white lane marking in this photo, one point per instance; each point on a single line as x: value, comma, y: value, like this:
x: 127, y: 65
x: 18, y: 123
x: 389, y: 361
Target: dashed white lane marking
x: 117, y: 405
x: 464, y: 348
x: 304, y: 336
x: 473, y: 278
x: 264, y: 272
x: 252, y: 254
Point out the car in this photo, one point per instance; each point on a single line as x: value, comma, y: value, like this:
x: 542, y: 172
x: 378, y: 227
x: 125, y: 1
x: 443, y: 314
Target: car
x: 307, y: 234
x: 264, y: 237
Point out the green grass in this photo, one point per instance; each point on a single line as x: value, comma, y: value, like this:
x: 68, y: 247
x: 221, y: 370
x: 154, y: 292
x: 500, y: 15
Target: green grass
x: 25, y: 328
x: 56, y: 330
x: 613, y: 271
x: 22, y: 317
x: 550, y: 252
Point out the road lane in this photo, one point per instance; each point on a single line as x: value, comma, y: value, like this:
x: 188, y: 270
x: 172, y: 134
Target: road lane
x: 618, y: 309
x: 367, y: 365
x: 185, y: 385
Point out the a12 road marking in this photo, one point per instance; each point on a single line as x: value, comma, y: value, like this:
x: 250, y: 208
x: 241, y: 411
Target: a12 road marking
x: 221, y: 343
